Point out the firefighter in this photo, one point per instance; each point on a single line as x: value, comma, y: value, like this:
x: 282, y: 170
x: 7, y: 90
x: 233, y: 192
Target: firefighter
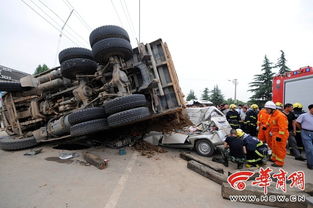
x: 297, y: 110
x: 251, y: 120
x: 233, y: 117
x: 279, y: 106
x: 263, y: 126
x: 278, y: 128
x: 256, y: 150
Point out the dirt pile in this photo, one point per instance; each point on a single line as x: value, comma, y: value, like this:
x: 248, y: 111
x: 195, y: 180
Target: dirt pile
x: 147, y: 149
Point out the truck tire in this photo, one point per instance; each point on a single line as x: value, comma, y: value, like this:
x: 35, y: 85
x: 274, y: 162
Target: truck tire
x: 204, y: 148
x: 80, y: 66
x: 124, y: 103
x: 76, y: 52
x: 8, y: 143
x: 11, y: 86
x: 128, y: 116
x: 89, y: 127
x: 106, y: 48
x: 86, y: 115
x: 107, y: 31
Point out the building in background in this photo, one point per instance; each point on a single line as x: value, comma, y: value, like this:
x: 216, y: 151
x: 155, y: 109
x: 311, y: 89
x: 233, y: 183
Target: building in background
x: 8, y: 74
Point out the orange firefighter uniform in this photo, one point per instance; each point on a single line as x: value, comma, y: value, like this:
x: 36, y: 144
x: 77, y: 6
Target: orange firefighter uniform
x: 278, y: 130
x: 263, y: 124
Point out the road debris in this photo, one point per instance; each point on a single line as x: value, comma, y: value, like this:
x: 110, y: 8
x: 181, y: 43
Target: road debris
x: 95, y: 160
x: 68, y: 155
x: 33, y: 152
x: 147, y: 149
x: 122, y: 151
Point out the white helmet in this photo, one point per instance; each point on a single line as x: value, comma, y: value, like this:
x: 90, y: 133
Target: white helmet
x: 270, y: 104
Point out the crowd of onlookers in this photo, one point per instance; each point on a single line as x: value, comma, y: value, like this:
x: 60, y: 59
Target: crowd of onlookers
x: 257, y: 133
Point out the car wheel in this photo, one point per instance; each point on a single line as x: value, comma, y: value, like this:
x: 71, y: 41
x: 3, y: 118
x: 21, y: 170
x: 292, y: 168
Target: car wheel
x: 125, y: 103
x: 76, y: 52
x: 78, y: 66
x: 11, y: 86
x: 86, y: 115
x: 129, y: 116
x: 89, y: 127
x: 8, y: 143
x: 106, y: 48
x: 204, y: 148
x: 107, y: 31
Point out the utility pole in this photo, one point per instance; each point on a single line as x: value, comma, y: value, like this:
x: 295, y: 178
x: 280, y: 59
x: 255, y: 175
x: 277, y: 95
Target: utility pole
x: 235, y: 82
x: 139, y: 21
x: 60, y: 36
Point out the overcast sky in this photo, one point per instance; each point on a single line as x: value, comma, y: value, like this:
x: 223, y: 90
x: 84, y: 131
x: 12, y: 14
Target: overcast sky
x: 211, y: 42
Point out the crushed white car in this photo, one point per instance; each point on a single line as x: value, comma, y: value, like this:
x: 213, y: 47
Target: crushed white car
x: 209, y: 130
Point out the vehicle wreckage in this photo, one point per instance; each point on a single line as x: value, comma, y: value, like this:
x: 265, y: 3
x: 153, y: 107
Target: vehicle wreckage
x: 208, y: 131
x: 92, y: 91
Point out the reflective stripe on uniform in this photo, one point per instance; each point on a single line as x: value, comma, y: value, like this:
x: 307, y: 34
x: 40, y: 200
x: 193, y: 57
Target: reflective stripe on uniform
x: 281, y: 132
x: 279, y: 159
x: 254, y: 160
x: 258, y: 153
x: 259, y: 144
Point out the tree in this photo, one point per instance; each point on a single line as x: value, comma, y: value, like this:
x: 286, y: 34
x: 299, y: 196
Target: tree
x: 281, y: 64
x: 41, y: 69
x: 205, y: 94
x: 262, y: 84
x: 191, y: 95
x: 232, y: 101
x: 216, y: 96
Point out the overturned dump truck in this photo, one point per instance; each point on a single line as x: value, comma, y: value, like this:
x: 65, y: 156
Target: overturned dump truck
x: 92, y: 91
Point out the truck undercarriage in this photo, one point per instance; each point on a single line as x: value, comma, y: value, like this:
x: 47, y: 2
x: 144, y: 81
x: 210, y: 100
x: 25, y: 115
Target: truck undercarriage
x: 111, y: 86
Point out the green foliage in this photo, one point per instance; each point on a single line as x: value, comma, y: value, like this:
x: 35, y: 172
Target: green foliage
x: 281, y: 64
x: 216, y: 96
x: 41, y: 69
x: 261, y: 87
x: 191, y: 95
x: 232, y: 101
x: 205, y: 94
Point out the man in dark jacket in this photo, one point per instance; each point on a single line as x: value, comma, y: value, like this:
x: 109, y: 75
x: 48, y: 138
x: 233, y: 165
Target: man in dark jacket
x: 298, y: 110
x: 233, y: 117
x: 251, y: 120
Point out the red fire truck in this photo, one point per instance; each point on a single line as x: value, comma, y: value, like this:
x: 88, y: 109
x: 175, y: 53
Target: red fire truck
x: 294, y: 86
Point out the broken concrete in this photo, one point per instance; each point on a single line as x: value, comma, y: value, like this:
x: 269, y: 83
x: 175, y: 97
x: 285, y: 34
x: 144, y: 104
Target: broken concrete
x: 269, y: 199
x: 207, y: 172
x: 204, y: 161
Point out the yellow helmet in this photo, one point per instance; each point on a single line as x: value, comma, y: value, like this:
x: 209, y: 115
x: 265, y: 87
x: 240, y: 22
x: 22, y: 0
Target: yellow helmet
x: 239, y: 132
x: 279, y: 104
x: 297, y: 105
x: 254, y: 106
x: 232, y: 106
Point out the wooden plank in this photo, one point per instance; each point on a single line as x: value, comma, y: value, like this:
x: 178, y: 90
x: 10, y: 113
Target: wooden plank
x: 207, y: 172
x: 204, y: 161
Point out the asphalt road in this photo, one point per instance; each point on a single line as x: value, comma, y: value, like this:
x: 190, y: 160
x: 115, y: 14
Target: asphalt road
x: 131, y: 180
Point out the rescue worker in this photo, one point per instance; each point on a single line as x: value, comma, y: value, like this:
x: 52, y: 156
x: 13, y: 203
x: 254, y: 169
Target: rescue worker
x: 279, y: 106
x: 251, y: 120
x: 233, y: 117
x: 278, y: 128
x: 256, y: 150
x: 234, y: 150
x: 297, y: 110
x: 263, y: 126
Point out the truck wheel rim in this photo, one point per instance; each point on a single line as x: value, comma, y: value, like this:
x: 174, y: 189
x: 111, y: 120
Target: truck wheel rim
x: 204, y: 148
